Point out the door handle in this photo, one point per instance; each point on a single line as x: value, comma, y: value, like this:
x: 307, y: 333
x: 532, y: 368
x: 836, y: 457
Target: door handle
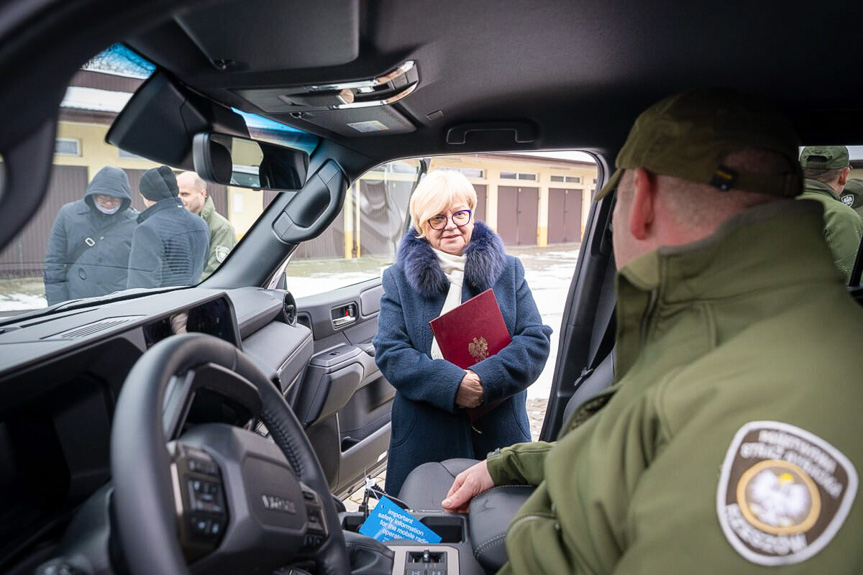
x: 344, y: 315
x: 343, y: 321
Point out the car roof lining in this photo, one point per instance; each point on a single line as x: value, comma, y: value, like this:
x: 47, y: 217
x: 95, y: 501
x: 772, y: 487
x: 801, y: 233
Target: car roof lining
x: 581, y: 83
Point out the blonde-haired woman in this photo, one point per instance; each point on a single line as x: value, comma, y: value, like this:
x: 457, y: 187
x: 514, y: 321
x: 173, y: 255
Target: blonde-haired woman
x: 444, y: 260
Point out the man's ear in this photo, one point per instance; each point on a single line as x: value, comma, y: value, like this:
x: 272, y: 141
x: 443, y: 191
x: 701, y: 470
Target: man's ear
x: 843, y: 176
x: 643, y: 212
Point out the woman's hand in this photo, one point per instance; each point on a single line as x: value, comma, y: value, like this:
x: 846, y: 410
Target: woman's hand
x: 470, y: 392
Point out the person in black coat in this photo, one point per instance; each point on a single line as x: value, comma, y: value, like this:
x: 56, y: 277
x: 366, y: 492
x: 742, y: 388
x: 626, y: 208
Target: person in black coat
x: 446, y: 259
x: 170, y: 244
x: 88, y: 253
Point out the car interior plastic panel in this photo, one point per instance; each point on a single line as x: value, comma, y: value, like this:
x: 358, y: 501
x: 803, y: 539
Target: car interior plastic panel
x: 314, y: 207
x: 161, y: 119
x: 344, y: 403
x: 455, y: 542
x: 281, y: 351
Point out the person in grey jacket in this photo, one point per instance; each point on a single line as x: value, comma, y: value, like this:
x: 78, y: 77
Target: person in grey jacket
x: 88, y: 253
x: 170, y: 244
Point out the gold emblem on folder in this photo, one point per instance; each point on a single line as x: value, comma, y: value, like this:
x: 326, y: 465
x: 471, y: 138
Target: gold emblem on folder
x: 478, y: 349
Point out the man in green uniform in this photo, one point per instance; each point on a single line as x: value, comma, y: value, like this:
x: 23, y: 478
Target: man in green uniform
x: 852, y: 195
x: 193, y: 193
x: 826, y: 170
x: 730, y: 440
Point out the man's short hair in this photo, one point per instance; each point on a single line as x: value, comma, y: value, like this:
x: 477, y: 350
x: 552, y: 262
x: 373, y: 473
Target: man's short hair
x: 823, y: 176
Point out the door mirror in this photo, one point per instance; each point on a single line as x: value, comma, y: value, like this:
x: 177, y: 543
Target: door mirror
x: 235, y: 161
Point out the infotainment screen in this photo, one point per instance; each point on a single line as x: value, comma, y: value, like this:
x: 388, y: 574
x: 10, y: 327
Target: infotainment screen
x: 213, y: 317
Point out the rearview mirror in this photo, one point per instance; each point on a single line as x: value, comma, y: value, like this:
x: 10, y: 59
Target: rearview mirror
x: 246, y: 163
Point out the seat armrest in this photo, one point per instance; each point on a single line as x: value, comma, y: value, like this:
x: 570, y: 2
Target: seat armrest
x: 490, y: 515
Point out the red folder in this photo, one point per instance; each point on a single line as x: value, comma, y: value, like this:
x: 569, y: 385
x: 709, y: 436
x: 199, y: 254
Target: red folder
x: 470, y: 333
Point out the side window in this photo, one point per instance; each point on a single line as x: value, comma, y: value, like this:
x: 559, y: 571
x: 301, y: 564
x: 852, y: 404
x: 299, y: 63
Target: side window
x: 363, y: 239
x: 834, y: 173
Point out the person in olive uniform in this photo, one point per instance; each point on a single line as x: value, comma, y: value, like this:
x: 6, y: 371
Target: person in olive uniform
x: 826, y: 170
x: 852, y: 195
x: 88, y: 253
x: 193, y: 194
x: 730, y: 439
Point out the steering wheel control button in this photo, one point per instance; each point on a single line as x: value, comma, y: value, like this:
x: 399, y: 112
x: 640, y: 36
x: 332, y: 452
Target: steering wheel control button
x: 204, y: 515
x: 205, y: 496
x: 200, y: 526
x: 199, y: 461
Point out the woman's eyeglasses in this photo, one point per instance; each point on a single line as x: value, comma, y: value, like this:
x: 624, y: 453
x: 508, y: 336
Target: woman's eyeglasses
x: 459, y: 218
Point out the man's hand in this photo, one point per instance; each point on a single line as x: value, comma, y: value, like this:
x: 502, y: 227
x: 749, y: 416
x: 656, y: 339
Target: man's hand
x: 470, y: 392
x: 467, y: 485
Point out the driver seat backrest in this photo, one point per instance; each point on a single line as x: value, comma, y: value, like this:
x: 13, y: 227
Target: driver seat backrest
x: 427, y: 485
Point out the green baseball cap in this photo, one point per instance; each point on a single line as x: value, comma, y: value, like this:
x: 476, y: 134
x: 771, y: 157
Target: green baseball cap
x: 824, y: 157
x: 852, y: 195
x: 689, y: 135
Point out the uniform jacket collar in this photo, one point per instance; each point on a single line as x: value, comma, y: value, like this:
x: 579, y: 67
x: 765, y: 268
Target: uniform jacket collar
x: 485, y: 255
x: 161, y: 205
x: 208, y: 210
x: 765, y: 249
x: 816, y: 187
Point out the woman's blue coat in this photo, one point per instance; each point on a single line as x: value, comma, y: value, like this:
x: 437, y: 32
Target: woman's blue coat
x: 426, y: 424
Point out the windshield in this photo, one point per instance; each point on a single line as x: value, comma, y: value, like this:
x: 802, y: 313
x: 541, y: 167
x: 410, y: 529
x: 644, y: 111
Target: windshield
x: 107, y: 222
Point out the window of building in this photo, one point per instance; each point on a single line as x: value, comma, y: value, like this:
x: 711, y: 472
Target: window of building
x: 566, y: 179
x: 473, y: 173
x: 67, y: 147
x: 524, y: 176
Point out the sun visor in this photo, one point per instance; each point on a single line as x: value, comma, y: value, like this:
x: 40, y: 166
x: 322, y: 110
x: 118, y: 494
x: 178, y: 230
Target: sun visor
x: 276, y: 34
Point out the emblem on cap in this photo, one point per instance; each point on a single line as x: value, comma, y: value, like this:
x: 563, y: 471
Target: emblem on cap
x: 847, y: 199
x: 783, y: 493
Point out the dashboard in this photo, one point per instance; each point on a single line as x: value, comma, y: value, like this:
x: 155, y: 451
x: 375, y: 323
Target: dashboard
x: 61, y: 374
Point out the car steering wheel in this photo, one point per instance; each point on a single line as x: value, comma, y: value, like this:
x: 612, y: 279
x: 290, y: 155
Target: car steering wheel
x: 219, y: 499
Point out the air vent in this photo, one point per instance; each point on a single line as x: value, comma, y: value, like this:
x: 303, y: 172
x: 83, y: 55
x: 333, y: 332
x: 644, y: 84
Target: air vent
x: 91, y: 328
x: 289, y: 309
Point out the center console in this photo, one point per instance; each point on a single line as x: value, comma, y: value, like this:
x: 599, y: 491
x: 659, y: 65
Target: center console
x: 452, y: 556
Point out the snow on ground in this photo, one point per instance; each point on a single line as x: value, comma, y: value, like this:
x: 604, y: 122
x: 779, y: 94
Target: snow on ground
x: 21, y: 301
x: 549, y: 273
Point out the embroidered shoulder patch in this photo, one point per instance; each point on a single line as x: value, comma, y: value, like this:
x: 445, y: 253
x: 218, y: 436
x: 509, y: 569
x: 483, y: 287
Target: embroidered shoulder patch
x: 222, y: 253
x: 783, y: 493
x: 847, y: 199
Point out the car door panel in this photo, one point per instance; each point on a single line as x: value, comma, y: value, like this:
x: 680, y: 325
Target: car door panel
x: 343, y: 400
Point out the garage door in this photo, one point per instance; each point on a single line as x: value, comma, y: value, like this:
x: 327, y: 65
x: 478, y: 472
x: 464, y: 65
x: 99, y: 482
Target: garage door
x: 517, y: 212
x: 564, y: 215
x: 480, y: 211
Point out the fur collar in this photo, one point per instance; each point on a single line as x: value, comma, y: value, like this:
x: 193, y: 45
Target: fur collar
x: 485, y: 262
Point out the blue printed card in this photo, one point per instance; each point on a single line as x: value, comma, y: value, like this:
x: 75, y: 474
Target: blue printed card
x: 389, y: 521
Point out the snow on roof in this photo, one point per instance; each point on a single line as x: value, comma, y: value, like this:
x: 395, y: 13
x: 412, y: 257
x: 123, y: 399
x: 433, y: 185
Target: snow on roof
x: 94, y: 99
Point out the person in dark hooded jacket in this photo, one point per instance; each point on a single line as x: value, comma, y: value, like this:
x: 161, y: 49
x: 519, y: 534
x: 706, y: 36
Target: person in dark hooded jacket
x: 88, y: 253
x: 170, y: 244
